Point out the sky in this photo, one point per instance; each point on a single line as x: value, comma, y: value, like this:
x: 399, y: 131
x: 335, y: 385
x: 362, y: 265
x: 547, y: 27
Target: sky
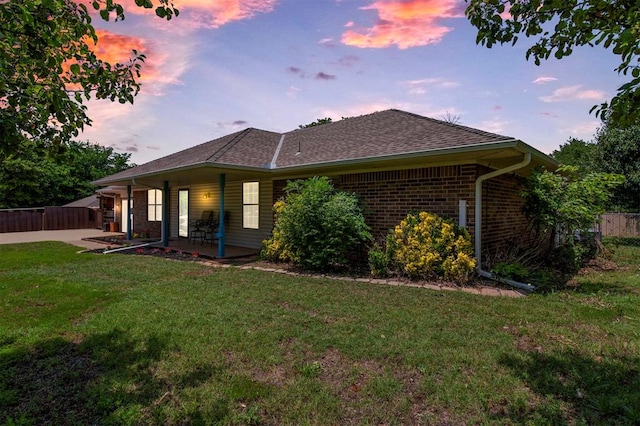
x: 225, y: 65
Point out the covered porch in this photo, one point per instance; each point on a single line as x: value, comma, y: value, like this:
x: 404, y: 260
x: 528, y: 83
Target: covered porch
x: 170, y: 206
x: 210, y: 250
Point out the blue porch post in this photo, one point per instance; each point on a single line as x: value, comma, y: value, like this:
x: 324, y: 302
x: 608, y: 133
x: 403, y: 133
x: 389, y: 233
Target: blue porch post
x: 129, y: 212
x: 165, y: 214
x: 221, y: 231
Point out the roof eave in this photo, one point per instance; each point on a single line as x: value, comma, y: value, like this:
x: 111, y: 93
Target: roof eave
x: 480, y: 147
x: 106, y: 181
x: 516, y: 144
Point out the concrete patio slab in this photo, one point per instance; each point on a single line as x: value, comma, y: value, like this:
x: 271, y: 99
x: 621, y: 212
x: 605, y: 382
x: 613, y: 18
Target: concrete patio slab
x: 70, y: 236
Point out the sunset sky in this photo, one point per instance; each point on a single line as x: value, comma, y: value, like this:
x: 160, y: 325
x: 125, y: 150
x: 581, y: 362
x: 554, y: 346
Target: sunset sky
x: 225, y: 65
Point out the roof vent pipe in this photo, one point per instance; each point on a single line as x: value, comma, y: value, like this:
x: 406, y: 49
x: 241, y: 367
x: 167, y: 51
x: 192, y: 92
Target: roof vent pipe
x: 478, y: 222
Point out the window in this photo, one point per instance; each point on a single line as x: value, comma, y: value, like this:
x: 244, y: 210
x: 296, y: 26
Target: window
x: 154, y: 205
x: 250, y: 205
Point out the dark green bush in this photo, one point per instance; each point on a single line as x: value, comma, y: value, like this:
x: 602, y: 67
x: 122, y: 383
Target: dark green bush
x: 316, y: 226
x: 513, y: 271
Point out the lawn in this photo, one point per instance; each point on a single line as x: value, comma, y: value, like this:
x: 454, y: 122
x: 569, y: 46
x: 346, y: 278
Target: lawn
x: 114, y: 339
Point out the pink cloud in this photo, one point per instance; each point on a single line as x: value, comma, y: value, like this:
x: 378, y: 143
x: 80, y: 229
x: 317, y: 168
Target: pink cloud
x: 161, y: 66
x: 544, y: 80
x: 420, y: 87
x: 206, y: 13
x: 571, y: 93
x: 405, y: 24
x: 117, y: 48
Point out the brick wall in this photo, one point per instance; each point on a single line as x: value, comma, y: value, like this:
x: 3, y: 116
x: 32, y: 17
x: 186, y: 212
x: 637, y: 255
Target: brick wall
x: 140, y: 216
x: 503, y: 221
x: 388, y: 196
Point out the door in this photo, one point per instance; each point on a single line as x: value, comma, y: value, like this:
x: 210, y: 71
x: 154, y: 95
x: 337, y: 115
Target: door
x: 183, y: 213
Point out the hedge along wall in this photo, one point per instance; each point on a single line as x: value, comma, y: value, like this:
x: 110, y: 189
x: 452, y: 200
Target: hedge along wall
x: 388, y: 196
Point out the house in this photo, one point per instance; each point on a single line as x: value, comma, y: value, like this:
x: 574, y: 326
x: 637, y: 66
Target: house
x: 397, y: 162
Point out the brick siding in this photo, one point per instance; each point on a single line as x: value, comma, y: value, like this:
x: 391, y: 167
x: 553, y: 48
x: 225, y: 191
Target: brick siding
x: 140, y: 216
x: 503, y: 221
x: 388, y: 196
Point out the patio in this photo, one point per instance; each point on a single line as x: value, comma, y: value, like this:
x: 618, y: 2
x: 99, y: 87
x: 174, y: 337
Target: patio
x: 211, y: 250
x: 183, y: 244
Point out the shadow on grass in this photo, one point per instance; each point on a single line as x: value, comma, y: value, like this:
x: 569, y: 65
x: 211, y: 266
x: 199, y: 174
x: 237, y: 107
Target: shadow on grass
x: 105, y: 378
x: 571, y: 388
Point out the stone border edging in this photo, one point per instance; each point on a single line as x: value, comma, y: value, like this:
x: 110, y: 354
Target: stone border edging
x: 482, y: 291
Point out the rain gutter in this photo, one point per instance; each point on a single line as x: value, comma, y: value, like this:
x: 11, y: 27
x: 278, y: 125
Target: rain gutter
x: 506, y: 143
x: 478, y: 222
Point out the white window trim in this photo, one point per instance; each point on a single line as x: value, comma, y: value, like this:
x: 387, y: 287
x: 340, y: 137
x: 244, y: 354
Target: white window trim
x: 154, y: 215
x: 251, y: 206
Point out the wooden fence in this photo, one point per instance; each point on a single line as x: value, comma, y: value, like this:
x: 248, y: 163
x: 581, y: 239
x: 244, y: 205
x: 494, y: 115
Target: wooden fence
x: 621, y: 225
x: 49, y: 218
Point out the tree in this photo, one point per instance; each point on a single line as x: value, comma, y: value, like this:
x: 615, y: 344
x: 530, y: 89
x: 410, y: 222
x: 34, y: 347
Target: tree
x: 49, y: 68
x: 318, y: 122
x: 451, y: 118
x: 567, y: 201
x: 43, y: 174
x: 562, y: 25
x: 618, y: 151
x: 577, y: 152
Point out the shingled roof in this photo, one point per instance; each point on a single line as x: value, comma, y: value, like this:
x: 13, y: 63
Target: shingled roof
x: 381, y: 134
x: 377, y: 135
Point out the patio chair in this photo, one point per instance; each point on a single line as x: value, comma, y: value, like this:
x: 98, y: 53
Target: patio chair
x: 202, y: 225
x: 212, y: 233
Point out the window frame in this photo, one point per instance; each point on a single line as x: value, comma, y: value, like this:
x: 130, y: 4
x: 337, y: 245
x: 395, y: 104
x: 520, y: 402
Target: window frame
x: 252, y: 205
x: 154, y: 205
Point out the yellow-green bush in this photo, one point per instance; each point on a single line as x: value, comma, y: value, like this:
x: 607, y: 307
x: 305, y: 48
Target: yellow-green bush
x: 276, y: 248
x: 316, y: 226
x: 425, y: 246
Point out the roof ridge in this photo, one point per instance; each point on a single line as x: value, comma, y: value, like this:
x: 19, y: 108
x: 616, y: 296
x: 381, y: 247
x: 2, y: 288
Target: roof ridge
x: 334, y: 123
x: 216, y: 155
x: 454, y: 125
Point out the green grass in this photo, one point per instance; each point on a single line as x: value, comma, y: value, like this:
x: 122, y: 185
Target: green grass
x: 112, y: 339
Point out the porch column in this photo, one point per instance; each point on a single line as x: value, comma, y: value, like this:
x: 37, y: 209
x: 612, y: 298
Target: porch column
x: 221, y: 231
x: 165, y: 214
x: 129, y: 213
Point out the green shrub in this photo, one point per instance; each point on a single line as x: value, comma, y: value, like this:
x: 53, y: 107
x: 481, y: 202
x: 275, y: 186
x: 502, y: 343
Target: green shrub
x: 316, y: 226
x: 426, y: 246
x: 570, y: 257
x: 378, y: 261
x: 513, y: 271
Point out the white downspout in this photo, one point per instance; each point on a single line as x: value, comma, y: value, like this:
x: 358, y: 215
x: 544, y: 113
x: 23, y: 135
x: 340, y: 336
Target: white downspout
x: 478, y: 222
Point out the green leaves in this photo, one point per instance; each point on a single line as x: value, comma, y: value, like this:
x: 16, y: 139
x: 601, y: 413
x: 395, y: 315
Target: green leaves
x: 611, y: 23
x: 567, y: 200
x: 316, y: 226
x: 48, y: 44
x: 43, y: 173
